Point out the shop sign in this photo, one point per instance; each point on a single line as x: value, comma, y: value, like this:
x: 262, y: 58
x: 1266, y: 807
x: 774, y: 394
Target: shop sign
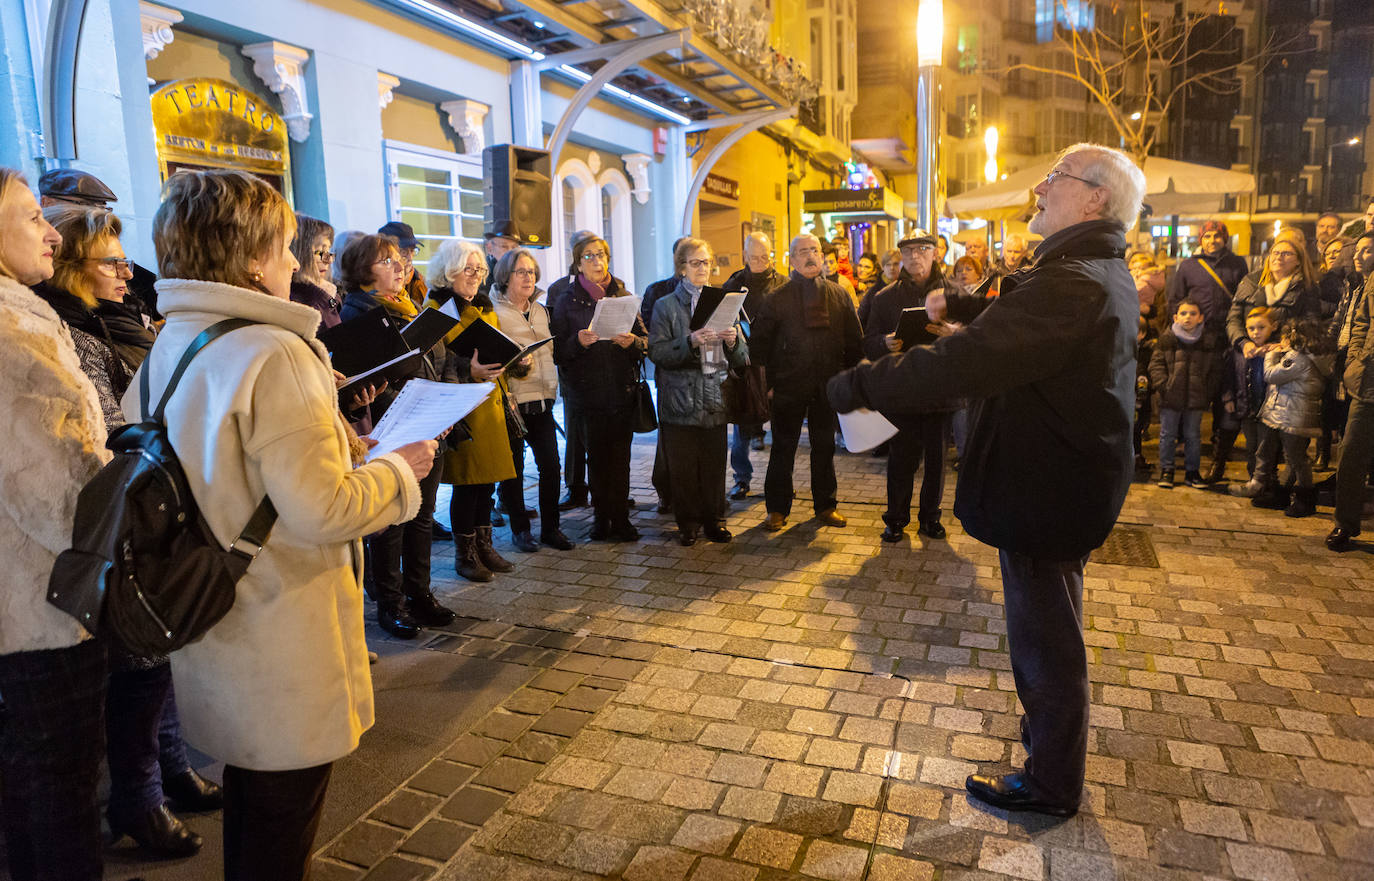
x: 879, y: 200
x: 721, y: 186
x: 214, y: 123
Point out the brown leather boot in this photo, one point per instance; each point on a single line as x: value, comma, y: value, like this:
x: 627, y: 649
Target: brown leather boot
x: 467, y: 560
x: 487, y: 554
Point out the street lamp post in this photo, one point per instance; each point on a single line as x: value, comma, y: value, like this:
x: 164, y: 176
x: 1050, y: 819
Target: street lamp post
x: 1326, y: 172
x: 930, y: 37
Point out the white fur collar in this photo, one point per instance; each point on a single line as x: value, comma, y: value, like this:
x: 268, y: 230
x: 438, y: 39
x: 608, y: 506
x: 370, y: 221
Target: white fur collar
x: 187, y: 295
x: 17, y: 296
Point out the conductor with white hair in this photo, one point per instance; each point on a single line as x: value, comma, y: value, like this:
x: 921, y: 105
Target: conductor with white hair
x: 1050, y: 366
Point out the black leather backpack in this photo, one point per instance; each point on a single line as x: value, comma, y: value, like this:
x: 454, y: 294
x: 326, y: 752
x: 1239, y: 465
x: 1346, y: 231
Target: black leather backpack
x: 144, y: 566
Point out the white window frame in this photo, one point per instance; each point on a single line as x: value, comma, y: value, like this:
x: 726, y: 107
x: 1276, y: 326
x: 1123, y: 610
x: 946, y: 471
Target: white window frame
x: 587, y: 213
x: 398, y: 153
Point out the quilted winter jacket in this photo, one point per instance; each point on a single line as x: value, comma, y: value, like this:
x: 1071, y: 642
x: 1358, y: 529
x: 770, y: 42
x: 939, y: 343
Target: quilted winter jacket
x: 1293, y: 403
x: 686, y: 395
x: 1186, y: 375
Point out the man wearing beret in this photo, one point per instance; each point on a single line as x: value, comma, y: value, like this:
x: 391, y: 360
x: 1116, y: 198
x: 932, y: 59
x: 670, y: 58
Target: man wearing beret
x: 1050, y: 367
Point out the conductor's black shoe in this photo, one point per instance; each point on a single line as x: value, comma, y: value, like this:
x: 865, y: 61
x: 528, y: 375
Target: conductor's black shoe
x: 1338, y: 539
x: 426, y: 611
x: 524, y: 542
x: 440, y: 532
x: 398, y: 622
x: 740, y: 492
x: 1012, y: 792
x: 555, y: 539
x: 932, y: 528
x: 893, y: 534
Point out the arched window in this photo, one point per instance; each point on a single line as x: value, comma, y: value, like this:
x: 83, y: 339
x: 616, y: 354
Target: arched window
x: 569, y: 209
x: 606, y: 232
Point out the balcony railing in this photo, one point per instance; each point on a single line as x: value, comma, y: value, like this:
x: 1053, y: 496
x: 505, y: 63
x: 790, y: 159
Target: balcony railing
x: 1020, y: 31
x: 1015, y: 88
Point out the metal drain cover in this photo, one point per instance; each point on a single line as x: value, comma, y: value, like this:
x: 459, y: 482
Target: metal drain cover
x: 1127, y: 547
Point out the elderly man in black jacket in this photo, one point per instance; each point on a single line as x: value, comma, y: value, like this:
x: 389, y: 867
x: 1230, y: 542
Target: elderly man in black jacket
x: 1051, y: 366
x: 756, y: 278
x: 806, y: 332
x: 922, y: 436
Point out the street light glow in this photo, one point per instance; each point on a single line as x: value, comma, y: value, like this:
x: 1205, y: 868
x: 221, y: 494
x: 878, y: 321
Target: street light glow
x: 1135, y: 116
x: 930, y: 33
x: 990, y: 144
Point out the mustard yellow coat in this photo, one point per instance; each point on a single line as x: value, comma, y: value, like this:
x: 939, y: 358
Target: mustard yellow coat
x: 487, y: 457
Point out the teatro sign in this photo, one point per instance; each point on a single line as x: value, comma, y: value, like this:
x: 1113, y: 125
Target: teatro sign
x: 213, y: 123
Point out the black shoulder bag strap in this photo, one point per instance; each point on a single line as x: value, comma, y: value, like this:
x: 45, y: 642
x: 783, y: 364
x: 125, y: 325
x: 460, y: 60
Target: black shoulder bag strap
x: 250, y: 541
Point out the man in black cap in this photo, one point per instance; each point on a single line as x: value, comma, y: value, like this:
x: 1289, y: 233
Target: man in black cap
x: 406, y: 242
x: 501, y: 238
x: 920, y: 436
x: 68, y: 186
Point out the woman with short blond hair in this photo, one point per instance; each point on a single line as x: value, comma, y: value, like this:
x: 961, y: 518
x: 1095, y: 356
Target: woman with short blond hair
x: 280, y: 688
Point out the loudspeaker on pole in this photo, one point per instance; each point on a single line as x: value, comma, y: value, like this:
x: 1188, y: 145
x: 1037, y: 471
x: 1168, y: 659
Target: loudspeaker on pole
x: 518, y: 191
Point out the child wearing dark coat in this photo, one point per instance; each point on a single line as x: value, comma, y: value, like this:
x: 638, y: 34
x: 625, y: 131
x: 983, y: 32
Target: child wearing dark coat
x: 1242, y: 393
x: 1186, y: 372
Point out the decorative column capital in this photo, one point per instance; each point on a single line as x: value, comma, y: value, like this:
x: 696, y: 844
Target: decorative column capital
x: 637, y: 166
x: 282, y: 67
x: 466, y: 116
x: 157, y: 24
x: 386, y: 84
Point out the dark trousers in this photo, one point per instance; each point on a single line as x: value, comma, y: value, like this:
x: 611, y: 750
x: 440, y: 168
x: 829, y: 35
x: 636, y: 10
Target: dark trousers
x: 787, y: 417
x: 270, y: 819
x: 608, y: 464
x: 1294, y: 448
x: 1357, y: 450
x: 740, y: 440
x: 662, y: 479
x: 172, y: 757
x: 398, y: 556
x: 1044, y: 607
x: 542, y: 438
x: 575, y: 464
x: 921, y: 439
x: 52, y: 739
x: 134, y: 708
x: 698, y: 475
x: 470, y: 507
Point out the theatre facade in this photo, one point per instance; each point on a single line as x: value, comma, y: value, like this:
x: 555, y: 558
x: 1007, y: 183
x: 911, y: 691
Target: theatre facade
x: 366, y: 111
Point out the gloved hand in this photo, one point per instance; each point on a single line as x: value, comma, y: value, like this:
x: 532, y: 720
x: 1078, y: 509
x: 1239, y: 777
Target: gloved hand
x: 845, y: 391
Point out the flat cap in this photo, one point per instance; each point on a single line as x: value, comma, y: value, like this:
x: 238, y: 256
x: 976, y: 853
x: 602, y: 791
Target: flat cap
x: 401, y: 232
x: 917, y: 237
x: 71, y: 185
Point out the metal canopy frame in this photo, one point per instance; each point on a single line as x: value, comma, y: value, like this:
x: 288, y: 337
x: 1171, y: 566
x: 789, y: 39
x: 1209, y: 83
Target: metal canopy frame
x: 631, y: 51
x: 747, y: 123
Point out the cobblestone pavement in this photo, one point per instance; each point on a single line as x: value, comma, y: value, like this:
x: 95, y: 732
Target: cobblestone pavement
x: 807, y: 704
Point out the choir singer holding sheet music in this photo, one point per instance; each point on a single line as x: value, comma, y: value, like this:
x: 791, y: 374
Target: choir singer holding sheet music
x: 692, y: 364
x: 475, y: 466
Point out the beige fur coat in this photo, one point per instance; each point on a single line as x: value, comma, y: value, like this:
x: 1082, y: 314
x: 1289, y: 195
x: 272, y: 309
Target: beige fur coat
x: 55, y: 443
x: 282, y: 682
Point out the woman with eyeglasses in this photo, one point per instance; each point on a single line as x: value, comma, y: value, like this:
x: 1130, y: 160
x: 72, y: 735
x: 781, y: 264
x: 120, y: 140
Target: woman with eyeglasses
x: 313, y: 248
x: 472, y: 465
x: 146, y: 754
x: 1286, y: 284
x: 599, y: 378
x: 398, y: 557
x: 692, y: 365
x: 532, y: 389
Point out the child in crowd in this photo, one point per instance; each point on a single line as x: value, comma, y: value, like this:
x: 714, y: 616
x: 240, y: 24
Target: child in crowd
x: 1296, y: 372
x: 1186, y: 371
x: 1242, y: 394
x: 1144, y: 349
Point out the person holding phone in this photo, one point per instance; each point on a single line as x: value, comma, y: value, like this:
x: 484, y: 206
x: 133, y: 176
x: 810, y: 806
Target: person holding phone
x: 919, y: 437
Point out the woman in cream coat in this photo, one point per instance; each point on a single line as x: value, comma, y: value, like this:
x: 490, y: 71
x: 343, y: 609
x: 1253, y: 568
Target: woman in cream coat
x: 279, y: 688
x: 52, y: 674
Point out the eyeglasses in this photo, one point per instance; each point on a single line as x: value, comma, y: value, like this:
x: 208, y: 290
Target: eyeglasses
x: 388, y: 261
x: 525, y: 273
x: 1293, y: 254
x: 595, y: 257
x: 698, y: 263
x: 1059, y: 172
x: 919, y: 249
x: 326, y: 256
x: 474, y: 271
x: 115, y: 265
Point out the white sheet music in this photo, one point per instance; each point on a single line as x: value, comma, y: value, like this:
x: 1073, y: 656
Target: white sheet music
x: 423, y: 410
x: 451, y: 308
x: 727, y: 310
x: 865, y: 429
x: 614, y: 316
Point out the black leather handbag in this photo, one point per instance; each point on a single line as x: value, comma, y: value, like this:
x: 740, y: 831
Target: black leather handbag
x: 643, y: 417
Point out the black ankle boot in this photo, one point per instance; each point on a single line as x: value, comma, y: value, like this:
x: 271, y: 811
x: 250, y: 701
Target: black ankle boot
x: 158, y: 831
x: 191, y: 793
x: 397, y: 621
x: 428, y: 613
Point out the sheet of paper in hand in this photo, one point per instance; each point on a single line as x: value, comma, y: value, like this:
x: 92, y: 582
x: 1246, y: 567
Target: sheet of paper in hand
x: 423, y: 410
x: 614, y: 316
x: 911, y: 328
x: 723, y: 315
x: 865, y: 429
